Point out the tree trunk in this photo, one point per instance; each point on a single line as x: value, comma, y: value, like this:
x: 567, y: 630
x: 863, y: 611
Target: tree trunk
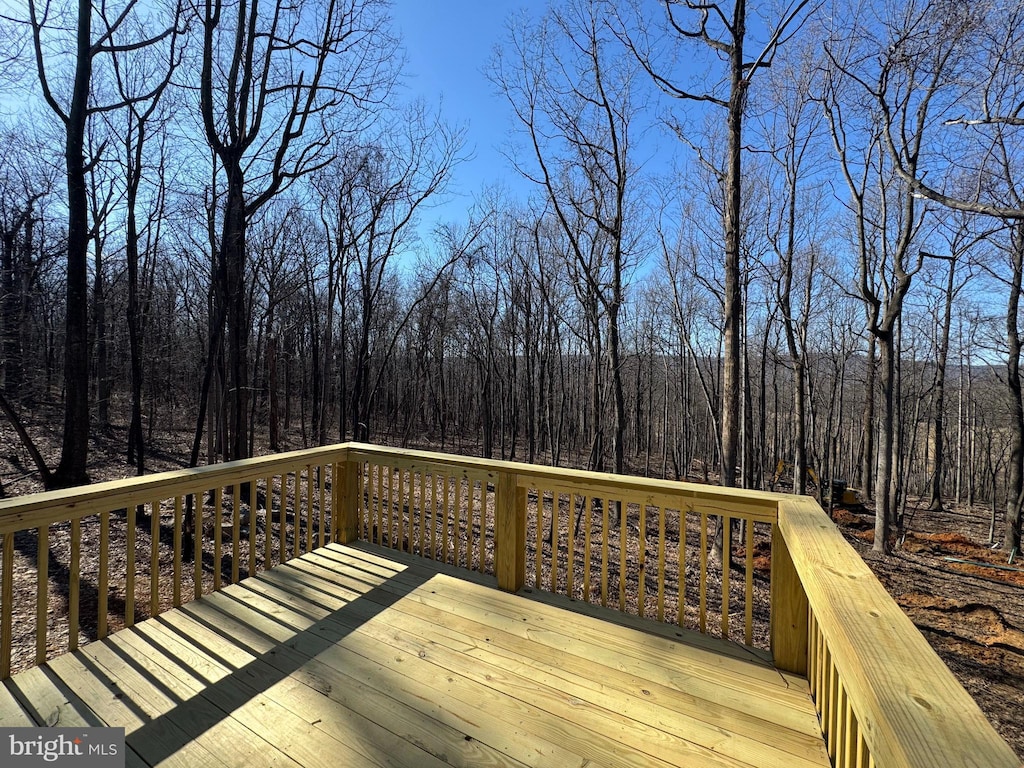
x: 136, y: 443
x: 867, y: 462
x: 233, y: 296
x: 1015, y: 470
x: 884, y: 502
x: 733, y: 299
x: 939, y: 400
x: 75, y: 446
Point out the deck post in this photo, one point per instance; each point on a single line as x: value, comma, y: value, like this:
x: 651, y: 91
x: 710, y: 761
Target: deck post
x: 509, y: 533
x: 788, y: 609
x: 346, y: 528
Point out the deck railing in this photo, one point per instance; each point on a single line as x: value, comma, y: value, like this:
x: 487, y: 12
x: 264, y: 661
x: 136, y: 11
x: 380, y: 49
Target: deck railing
x: 637, y: 545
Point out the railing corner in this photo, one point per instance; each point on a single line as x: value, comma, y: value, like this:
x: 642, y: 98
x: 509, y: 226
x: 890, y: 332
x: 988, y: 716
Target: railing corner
x: 788, y: 609
x: 510, y: 533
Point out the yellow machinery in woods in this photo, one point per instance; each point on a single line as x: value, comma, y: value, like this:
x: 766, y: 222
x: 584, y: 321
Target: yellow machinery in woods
x: 836, y: 492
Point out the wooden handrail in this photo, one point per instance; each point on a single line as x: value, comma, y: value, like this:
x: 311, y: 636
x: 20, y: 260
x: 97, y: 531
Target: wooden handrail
x: 113, y: 506
x: 24, y: 512
x: 875, y: 678
x: 759, y: 505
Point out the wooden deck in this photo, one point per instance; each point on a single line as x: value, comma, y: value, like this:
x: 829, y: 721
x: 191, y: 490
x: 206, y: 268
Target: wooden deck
x: 352, y: 656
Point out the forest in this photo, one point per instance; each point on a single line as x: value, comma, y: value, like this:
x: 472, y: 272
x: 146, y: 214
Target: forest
x: 756, y: 233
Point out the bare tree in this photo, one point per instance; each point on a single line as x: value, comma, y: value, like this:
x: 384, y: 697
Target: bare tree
x: 66, y: 79
x: 275, y: 80
x: 371, y: 207
x: 724, y: 31
x: 792, y: 127
x: 575, y: 102
x: 972, y: 87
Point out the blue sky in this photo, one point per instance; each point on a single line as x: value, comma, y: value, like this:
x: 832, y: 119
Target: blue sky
x: 448, y: 44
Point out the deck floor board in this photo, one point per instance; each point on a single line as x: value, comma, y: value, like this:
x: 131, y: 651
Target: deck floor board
x: 360, y: 656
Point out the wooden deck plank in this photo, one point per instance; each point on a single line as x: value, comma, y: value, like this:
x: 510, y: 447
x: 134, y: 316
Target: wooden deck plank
x: 154, y: 701
x: 801, y: 739
x: 704, y: 721
x: 587, y: 679
x: 256, y: 709
x: 118, y: 708
x: 759, y: 690
x: 49, y: 702
x: 598, y: 733
x: 289, y: 681
x: 602, y: 722
x: 363, y: 656
x: 497, y: 730
x: 723, y: 654
x: 12, y: 714
x: 270, y: 706
x: 203, y: 722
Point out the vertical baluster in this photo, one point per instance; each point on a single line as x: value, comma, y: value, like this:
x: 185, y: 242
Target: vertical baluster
x: 437, y: 510
x: 748, y: 592
x: 197, y: 545
x: 845, y: 751
x: 586, y: 548
x: 268, y: 516
x: 623, y: 552
x: 661, y: 563
x: 835, y: 700
x: 74, y: 583
x: 321, y: 475
x: 861, y: 757
x: 641, y: 587
x: 177, y: 550
x: 218, y: 544
x: 309, y: 507
x: 681, y: 567
x: 842, y: 704
x: 129, y: 575
x: 7, y: 606
x: 451, y: 501
x: 605, y: 535
x: 457, y: 518
x: 570, y: 570
x: 726, y: 562
x: 812, y: 650
x: 296, y: 512
x: 396, y: 491
x: 42, y: 589
x: 282, y: 503
x: 821, y: 677
x: 364, y: 483
x: 154, y: 558
x: 407, y: 511
x: 104, y: 577
x: 539, y: 551
x: 236, y: 530
x: 469, y: 521
x: 369, y: 497
x: 254, y: 494
x: 483, y: 524
x: 703, y: 604
x: 380, y: 501
x: 826, y: 696
x: 428, y: 497
x: 425, y: 506
x: 556, y: 502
